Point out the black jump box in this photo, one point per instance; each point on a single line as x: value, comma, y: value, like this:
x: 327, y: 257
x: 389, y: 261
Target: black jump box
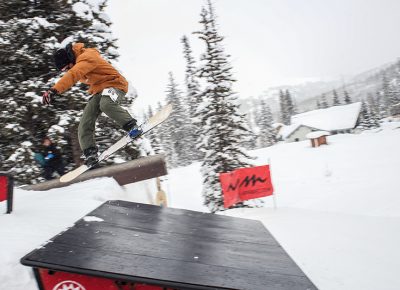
x: 136, y: 245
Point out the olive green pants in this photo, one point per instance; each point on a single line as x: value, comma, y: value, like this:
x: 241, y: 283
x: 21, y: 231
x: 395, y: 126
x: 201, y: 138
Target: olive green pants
x: 96, y: 105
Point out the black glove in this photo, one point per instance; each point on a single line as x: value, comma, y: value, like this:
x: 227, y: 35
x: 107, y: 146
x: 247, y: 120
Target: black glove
x: 48, y: 96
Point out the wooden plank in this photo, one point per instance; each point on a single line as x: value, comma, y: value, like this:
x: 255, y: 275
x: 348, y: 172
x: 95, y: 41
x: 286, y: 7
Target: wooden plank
x: 186, y: 248
x: 124, y: 173
x: 171, y: 247
x: 190, y: 222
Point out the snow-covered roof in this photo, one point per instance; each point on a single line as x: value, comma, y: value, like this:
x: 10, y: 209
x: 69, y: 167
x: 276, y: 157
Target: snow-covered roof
x: 333, y: 118
x: 317, y: 134
x: 287, y: 130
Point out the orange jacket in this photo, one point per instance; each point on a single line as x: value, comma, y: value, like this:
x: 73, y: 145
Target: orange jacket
x: 90, y: 68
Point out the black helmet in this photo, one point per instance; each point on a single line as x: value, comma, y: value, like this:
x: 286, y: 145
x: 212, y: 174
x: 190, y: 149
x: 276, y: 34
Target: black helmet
x: 64, y: 56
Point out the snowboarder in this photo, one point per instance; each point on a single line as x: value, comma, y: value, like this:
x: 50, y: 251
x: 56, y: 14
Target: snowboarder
x: 50, y: 159
x: 107, y: 86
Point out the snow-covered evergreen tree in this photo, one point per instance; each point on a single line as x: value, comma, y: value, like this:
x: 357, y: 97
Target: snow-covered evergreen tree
x: 335, y: 97
x: 381, y: 103
x: 290, y: 104
x: 192, y: 99
x: 368, y: 117
x: 223, y: 125
x: 267, y: 134
x: 364, y: 121
x: 390, y: 93
x: 163, y: 134
x: 178, y: 125
x: 287, y: 106
x: 324, y: 102
x: 30, y: 31
x: 27, y: 35
x: 318, y: 104
x: 284, y: 113
x: 154, y: 136
x: 346, y: 97
x: 374, y: 113
x: 250, y: 142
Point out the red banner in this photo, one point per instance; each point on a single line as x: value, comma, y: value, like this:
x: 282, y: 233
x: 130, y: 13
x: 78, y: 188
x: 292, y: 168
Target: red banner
x: 246, y: 183
x: 62, y: 280
x: 3, y: 187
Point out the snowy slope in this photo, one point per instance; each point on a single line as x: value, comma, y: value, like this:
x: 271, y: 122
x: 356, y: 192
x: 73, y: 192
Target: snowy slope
x: 338, y: 210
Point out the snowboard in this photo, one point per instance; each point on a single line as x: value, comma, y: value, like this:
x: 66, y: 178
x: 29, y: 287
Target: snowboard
x: 147, y: 126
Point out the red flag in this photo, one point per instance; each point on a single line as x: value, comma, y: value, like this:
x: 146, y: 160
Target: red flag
x: 246, y: 183
x: 3, y: 188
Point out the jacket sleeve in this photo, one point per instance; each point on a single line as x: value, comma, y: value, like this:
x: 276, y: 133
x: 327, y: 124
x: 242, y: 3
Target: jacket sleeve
x: 77, y: 72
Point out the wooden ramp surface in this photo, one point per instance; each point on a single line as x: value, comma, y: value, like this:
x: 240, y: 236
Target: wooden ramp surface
x: 124, y: 173
x: 178, y: 248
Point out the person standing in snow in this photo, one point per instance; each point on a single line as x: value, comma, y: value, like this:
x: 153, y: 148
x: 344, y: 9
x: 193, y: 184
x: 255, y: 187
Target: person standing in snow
x: 50, y: 159
x: 107, y: 86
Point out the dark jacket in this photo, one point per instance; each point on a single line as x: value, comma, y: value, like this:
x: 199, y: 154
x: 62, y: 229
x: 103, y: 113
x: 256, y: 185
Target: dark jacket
x: 52, y: 156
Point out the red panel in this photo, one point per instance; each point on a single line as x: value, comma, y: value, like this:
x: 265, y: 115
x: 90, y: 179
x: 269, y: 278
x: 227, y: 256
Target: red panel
x: 65, y: 281
x: 3, y: 187
x: 246, y: 183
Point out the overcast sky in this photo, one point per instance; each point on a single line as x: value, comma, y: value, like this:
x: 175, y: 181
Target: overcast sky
x: 272, y: 42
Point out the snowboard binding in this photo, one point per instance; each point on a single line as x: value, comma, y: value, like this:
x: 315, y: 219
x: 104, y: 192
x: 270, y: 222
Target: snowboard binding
x: 135, y: 132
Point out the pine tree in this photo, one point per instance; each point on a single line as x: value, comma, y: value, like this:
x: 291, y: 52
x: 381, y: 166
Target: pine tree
x: 192, y: 99
x: 153, y: 136
x: 324, y: 103
x: 368, y: 118
x: 318, y: 104
x: 284, y: 112
x: 287, y: 106
x: 390, y: 94
x: 381, y: 103
x: 290, y: 105
x: 336, y: 101
x: 346, y: 98
x: 223, y: 125
x: 250, y: 140
x: 267, y: 134
x: 364, y: 117
x: 178, y: 125
x: 373, y: 109
x: 163, y: 134
x: 394, y: 97
x: 29, y: 34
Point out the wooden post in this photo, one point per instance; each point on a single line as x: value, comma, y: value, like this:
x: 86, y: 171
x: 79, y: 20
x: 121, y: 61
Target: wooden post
x: 273, y: 194
x: 161, y: 197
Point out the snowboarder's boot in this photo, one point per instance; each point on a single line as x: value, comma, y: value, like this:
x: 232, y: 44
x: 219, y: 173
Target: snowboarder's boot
x: 91, y: 156
x: 135, y: 132
x: 133, y: 129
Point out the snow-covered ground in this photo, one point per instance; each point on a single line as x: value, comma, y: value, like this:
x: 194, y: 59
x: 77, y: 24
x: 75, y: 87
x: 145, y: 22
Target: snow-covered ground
x: 338, y: 212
